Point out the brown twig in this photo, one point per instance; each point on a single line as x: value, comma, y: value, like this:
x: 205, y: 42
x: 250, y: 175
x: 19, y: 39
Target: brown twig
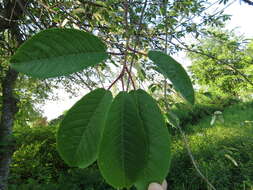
x: 46, y: 7
x: 185, y: 47
x: 120, y: 77
x: 83, y: 81
x: 137, y: 39
x: 138, y: 52
x: 131, y: 78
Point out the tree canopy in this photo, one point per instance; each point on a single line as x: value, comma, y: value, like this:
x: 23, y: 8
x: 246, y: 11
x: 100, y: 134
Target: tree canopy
x: 223, y: 61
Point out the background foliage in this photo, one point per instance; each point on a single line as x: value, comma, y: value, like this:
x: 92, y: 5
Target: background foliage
x: 222, y: 62
x: 222, y: 151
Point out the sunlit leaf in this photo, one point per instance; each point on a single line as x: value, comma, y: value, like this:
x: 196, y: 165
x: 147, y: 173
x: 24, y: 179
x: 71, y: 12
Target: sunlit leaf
x: 81, y: 129
x: 231, y: 159
x: 172, y: 70
x: 56, y: 52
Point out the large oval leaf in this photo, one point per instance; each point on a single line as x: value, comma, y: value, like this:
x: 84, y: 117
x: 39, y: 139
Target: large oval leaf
x: 157, y: 160
x: 123, y: 147
x: 81, y: 129
x: 56, y: 52
x: 171, y: 69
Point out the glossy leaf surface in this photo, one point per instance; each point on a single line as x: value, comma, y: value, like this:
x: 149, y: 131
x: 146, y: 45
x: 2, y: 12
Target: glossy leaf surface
x: 157, y: 158
x: 57, y: 52
x: 171, y: 69
x: 81, y: 129
x: 123, y: 147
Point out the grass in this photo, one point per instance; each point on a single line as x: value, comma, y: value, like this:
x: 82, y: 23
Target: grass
x: 224, y: 152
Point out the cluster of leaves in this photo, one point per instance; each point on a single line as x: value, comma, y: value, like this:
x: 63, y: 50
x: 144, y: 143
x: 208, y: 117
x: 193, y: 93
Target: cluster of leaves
x: 129, y: 148
x: 120, y: 133
x: 106, y: 20
x: 222, y: 62
x: 35, y: 156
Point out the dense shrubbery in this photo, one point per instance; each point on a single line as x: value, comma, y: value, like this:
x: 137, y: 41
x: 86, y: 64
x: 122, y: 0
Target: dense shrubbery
x: 36, y: 155
x: 206, y: 104
x: 223, y: 152
x: 37, y: 165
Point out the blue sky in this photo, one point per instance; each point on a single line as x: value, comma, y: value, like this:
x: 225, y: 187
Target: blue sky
x: 242, y: 16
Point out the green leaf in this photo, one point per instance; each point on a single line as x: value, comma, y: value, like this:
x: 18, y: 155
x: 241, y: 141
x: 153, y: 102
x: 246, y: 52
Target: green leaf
x: 231, y: 159
x: 123, y: 147
x: 171, y: 69
x: 81, y: 129
x: 157, y: 158
x: 57, y: 52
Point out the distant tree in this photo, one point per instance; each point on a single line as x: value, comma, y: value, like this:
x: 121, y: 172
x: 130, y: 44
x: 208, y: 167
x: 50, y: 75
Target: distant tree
x: 221, y: 61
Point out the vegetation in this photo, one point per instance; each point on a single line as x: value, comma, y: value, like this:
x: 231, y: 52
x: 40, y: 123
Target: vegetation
x: 223, y: 153
x: 222, y: 62
x: 134, y: 39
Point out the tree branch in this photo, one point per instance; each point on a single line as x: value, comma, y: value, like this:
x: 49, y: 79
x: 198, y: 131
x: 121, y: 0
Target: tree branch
x: 185, y: 47
x: 248, y: 2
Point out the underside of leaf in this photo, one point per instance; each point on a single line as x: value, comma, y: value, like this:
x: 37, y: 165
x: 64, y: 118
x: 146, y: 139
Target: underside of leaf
x: 158, y: 156
x: 172, y: 70
x: 123, y: 147
x: 56, y: 52
x: 81, y: 130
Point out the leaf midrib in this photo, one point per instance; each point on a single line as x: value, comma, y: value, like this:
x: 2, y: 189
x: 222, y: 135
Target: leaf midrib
x: 147, y: 142
x: 122, y: 139
x: 44, y: 59
x: 88, y: 125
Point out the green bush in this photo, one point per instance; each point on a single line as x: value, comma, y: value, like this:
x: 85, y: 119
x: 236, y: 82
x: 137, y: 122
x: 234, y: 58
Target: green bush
x: 223, y: 152
x: 37, y: 165
x: 35, y: 156
x: 206, y: 104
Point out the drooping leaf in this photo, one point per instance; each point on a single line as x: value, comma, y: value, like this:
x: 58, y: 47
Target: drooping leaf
x: 171, y: 69
x: 56, y: 52
x: 123, y: 147
x: 81, y: 129
x: 157, y: 159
